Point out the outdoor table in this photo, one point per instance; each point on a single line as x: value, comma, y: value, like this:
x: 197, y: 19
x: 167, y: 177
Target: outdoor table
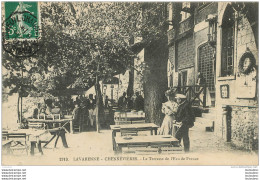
x: 143, y: 140
x: 57, y: 132
x: 60, y: 121
x: 33, y: 137
x: 139, y: 127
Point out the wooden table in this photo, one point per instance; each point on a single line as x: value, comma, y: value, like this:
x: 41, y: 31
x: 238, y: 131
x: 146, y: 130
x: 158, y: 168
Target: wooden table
x: 139, y: 127
x: 33, y: 137
x: 143, y: 140
x: 59, y: 121
x: 57, y: 132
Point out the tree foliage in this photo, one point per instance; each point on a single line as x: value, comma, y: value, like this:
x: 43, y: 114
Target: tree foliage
x: 77, y: 37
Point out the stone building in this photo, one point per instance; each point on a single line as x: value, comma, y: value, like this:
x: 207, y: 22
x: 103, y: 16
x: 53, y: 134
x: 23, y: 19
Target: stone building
x: 219, y: 40
x: 237, y: 66
x: 189, y: 50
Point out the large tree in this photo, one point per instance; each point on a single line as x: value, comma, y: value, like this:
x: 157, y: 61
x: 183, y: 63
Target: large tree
x: 84, y: 42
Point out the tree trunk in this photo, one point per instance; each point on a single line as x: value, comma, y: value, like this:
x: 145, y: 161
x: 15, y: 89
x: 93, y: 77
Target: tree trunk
x: 130, y: 88
x: 21, y: 111
x: 99, y: 106
x: 155, y: 85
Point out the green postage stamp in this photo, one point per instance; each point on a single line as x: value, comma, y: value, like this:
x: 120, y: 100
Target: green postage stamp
x: 21, y: 20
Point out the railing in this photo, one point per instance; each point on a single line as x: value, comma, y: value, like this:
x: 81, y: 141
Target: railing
x: 193, y: 93
x: 186, y: 25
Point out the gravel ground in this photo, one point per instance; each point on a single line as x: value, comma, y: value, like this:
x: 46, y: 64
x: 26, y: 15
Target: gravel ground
x: 86, y: 147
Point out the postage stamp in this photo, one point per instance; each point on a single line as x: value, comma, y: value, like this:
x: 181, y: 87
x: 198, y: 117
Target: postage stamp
x: 21, y: 28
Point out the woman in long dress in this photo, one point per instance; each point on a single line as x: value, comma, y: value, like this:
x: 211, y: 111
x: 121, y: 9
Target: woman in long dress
x: 169, y: 108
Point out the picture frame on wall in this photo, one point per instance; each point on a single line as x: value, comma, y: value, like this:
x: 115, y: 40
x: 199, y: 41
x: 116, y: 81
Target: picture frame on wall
x: 224, y: 91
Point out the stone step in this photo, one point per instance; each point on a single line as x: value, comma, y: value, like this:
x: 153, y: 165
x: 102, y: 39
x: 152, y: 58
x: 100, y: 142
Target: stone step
x: 201, y: 109
x: 203, y: 122
x: 212, y: 110
x: 209, y: 115
x: 202, y: 119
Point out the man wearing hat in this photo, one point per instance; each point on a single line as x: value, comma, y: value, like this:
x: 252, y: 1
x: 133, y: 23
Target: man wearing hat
x: 186, y: 118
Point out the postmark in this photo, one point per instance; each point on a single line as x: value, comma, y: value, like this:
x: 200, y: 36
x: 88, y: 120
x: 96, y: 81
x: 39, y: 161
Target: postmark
x: 21, y: 30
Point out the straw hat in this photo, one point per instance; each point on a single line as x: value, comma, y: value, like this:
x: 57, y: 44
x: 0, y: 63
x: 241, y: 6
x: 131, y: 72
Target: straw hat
x: 181, y: 96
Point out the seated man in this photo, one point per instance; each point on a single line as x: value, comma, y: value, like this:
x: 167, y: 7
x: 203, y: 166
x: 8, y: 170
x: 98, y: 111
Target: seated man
x: 36, y: 111
x: 56, y: 111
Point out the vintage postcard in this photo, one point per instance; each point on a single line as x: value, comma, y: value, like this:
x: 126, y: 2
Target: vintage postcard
x: 130, y: 83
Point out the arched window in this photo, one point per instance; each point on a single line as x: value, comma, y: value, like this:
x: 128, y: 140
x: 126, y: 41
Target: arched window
x: 228, y: 29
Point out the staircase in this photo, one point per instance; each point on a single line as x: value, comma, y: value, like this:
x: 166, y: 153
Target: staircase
x: 206, y: 121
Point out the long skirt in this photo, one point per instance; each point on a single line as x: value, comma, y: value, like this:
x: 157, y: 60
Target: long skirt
x: 92, y: 117
x: 167, y: 126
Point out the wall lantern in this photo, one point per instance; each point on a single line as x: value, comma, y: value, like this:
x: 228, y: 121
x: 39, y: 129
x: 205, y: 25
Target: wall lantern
x: 212, y: 29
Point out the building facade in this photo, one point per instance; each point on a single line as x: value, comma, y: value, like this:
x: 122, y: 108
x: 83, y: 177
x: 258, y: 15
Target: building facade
x: 220, y: 41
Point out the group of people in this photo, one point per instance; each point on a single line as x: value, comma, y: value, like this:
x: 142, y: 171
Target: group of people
x: 83, y: 112
x: 47, y: 109
x: 81, y: 109
x: 179, y: 117
x: 131, y: 103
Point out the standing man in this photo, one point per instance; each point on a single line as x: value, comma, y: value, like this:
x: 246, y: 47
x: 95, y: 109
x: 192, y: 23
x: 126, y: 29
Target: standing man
x: 139, y: 102
x: 186, y: 118
x: 122, y: 102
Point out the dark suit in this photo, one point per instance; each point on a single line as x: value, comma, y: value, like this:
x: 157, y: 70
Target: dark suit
x: 186, y: 116
x: 122, y: 102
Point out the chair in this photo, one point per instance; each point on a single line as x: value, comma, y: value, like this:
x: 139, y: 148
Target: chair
x: 41, y: 116
x: 167, y: 147
x: 117, y: 122
x: 121, y: 118
x: 4, y: 135
x: 161, y: 144
x: 36, y: 125
x: 76, y: 127
x: 147, y: 151
x: 171, y: 150
x: 56, y: 116
x: 138, y: 122
x: 68, y: 116
x: 128, y: 132
x: 19, y: 141
x: 136, y: 148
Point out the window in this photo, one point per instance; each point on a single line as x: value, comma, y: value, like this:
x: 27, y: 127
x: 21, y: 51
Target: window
x: 184, y: 14
x: 228, y: 28
x: 206, y: 64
